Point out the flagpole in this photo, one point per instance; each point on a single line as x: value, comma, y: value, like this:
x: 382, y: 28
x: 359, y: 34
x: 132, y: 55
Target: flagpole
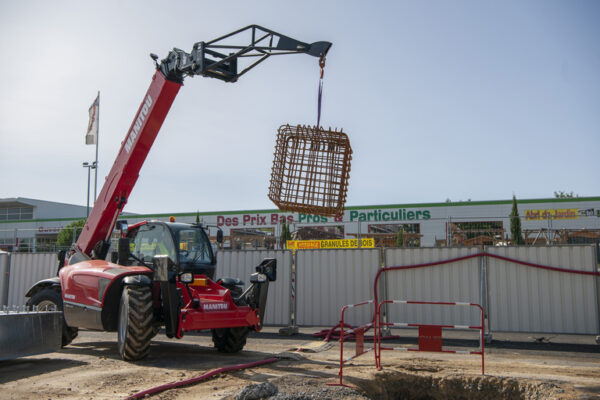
x: 97, y: 139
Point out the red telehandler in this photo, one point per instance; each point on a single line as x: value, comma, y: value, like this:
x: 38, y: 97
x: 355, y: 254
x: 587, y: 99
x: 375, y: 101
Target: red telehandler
x: 162, y: 274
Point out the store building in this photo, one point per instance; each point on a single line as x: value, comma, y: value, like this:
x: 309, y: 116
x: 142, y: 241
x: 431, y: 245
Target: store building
x: 31, y: 225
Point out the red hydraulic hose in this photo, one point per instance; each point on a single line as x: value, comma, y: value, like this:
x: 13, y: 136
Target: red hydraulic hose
x: 334, y: 334
x: 202, y: 377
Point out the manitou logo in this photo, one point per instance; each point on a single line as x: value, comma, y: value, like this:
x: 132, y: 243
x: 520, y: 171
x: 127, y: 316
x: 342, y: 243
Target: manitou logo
x: 141, y: 118
x: 215, y: 307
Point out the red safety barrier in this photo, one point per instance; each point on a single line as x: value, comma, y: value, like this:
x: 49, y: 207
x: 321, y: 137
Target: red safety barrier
x: 430, y: 336
x: 358, y: 335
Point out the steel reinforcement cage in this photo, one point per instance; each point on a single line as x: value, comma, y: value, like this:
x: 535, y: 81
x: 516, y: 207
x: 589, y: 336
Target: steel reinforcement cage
x: 311, y: 168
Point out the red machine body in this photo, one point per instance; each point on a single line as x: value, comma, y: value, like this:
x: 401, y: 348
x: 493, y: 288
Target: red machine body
x: 85, y: 286
x: 217, y: 310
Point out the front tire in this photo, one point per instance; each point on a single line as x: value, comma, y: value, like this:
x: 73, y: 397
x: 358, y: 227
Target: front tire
x: 50, y: 299
x: 230, y: 340
x: 135, y: 329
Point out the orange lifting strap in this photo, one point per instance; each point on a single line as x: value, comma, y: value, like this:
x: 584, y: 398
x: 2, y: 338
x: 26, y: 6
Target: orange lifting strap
x: 310, y: 171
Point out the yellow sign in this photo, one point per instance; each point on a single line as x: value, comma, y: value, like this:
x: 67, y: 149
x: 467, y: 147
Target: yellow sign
x: 565, y: 213
x: 330, y: 244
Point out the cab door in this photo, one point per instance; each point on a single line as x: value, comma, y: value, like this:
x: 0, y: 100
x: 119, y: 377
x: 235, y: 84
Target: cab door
x: 151, y: 240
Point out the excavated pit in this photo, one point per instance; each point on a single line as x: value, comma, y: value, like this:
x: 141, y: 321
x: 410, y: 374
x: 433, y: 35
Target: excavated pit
x: 394, y: 385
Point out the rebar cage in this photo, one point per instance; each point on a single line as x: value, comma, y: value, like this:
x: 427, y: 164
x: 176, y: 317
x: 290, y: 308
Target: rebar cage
x: 311, y: 168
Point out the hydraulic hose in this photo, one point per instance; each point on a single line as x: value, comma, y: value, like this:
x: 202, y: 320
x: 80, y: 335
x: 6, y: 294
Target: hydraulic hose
x: 200, y: 378
x: 335, y: 332
x: 328, y: 334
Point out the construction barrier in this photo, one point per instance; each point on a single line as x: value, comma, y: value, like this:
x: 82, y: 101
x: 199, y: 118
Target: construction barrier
x: 358, y: 334
x: 545, y: 290
x: 430, y: 335
x: 571, y: 289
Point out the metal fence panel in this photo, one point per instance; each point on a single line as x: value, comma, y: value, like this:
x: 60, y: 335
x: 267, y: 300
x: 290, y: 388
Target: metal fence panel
x: 241, y: 264
x: 455, y: 282
x: 25, y: 270
x: 4, y: 277
x: 327, y: 280
x: 521, y: 298
x: 527, y: 299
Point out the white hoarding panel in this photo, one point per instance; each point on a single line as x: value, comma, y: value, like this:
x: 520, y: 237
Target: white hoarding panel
x: 327, y: 280
x: 457, y: 281
x: 4, y: 277
x: 528, y: 299
x: 25, y: 270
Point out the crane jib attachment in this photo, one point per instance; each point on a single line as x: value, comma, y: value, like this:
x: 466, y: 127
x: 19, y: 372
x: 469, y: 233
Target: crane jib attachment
x: 207, y: 59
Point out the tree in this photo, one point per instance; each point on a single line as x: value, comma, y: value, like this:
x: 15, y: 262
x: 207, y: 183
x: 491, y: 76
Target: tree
x: 65, y: 236
x: 400, y: 237
x: 197, y: 217
x: 285, y: 234
x: 515, y: 224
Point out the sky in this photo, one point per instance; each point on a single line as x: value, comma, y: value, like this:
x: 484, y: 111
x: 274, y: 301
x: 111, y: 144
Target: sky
x: 441, y: 100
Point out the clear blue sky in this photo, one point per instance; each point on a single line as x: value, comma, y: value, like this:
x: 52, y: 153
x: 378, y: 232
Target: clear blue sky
x: 462, y: 100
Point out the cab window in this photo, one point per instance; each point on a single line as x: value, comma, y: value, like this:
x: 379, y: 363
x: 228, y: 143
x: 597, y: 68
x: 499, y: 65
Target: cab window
x: 152, y: 240
x: 194, y: 247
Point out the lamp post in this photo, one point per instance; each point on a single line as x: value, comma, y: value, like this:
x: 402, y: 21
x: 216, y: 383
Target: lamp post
x: 89, y: 166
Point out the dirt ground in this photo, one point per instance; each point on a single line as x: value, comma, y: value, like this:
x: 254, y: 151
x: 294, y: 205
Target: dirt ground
x: 516, y: 366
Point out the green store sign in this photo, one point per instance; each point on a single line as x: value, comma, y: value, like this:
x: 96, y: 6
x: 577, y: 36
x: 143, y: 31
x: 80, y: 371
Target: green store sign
x: 400, y: 214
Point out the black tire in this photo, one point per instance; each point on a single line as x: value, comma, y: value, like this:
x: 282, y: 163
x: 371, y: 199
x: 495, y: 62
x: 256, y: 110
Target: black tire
x: 230, y: 340
x: 155, y: 330
x: 135, y: 323
x: 50, y: 299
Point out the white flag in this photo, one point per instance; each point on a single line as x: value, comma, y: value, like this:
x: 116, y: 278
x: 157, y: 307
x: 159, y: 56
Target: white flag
x: 91, y: 137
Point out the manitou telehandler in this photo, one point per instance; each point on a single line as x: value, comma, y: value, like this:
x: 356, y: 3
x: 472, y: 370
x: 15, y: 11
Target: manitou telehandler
x: 162, y: 274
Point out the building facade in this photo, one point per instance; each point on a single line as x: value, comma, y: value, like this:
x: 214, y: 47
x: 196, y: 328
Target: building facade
x: 32, y: 225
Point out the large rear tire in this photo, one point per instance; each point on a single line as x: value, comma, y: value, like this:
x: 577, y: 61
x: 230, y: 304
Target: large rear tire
x: 50, y: 299
x: 230, y: 340
x: 135, y: 323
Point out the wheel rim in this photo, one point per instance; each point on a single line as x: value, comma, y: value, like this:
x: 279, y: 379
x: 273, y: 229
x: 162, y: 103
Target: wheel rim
x: 47, y: 305
x: 123, y: 322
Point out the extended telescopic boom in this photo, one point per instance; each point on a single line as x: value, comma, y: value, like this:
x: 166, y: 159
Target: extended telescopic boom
x: 206, y: 59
